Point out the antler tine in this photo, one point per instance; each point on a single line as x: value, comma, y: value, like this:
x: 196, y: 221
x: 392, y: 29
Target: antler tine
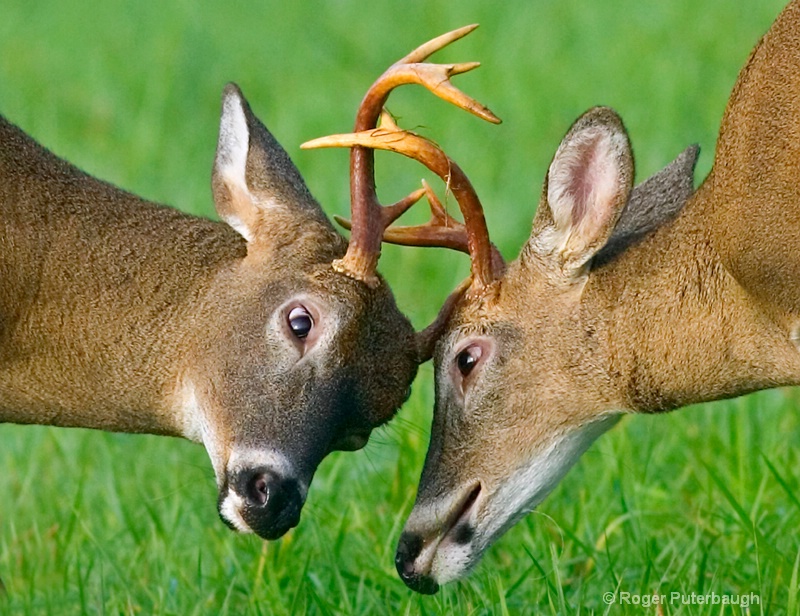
x: 390, y: 213
x: 424, y: 51
x: 471, y: 237
x: 442, y: 230
x: 435, y: 77
x: 369, y: 218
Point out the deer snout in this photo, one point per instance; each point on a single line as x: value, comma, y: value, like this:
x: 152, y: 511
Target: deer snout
x: 417, y: 576
x: 436, y: 544
x: 263, y: 501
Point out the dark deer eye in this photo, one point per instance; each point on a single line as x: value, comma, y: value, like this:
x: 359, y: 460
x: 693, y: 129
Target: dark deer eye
x: 467, y: 359
x: 300, y: 322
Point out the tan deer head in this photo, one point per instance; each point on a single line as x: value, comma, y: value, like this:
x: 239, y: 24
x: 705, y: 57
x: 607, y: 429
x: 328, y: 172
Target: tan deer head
x: 303, y: 357
x: 342, y: 357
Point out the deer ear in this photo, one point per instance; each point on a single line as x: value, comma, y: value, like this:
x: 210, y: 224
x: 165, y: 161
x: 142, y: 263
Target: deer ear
x: 586, y: 189
x: 253, y: 175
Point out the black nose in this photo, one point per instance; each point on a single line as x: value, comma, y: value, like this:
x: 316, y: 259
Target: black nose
x: 272, y: 503
x: 408, y: 550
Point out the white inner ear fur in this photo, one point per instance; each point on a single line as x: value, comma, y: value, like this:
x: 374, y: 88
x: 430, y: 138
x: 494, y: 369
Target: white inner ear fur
x: 234, y: 142
x: 239, y: 226
x: 232, y: 150
x: 583, y: 183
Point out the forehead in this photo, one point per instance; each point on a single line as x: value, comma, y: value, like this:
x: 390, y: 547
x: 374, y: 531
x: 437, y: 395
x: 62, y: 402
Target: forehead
x: 508, y: 313
x: 342, y: 290
x: 478, y: 315
x: 270, y: 288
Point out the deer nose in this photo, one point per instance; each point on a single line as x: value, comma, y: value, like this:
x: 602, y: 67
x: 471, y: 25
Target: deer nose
x: 408, y: 550
x: 271, y: 504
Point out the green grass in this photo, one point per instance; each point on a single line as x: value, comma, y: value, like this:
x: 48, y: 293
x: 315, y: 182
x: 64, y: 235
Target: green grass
x: 699, y: 501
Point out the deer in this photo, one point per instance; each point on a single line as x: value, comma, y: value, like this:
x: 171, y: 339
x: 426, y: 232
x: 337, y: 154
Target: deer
x: 266, y: 337
x: 623, y: 301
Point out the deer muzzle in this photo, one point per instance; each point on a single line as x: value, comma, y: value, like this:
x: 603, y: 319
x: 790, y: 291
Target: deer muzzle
x: 262, y: 499
x: 437, y: 535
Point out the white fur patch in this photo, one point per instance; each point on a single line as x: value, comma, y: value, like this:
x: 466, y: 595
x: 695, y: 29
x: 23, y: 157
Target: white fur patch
x: 531, y: 483
x: 233, y: 147
x: 239, y: 226
x: 229, y: 510
x: 794, y: 336
x: 452, y: 561
x: 198, y: 428
x: 439, y: 554
x: 192, y: 414
x: 244, y: 459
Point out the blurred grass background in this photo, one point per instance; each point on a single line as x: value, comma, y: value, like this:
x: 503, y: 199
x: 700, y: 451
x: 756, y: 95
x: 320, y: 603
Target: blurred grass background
x: 703, y: 500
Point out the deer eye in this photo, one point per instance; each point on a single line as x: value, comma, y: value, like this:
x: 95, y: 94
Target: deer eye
x: 300, y: 322
x: 467, y: 359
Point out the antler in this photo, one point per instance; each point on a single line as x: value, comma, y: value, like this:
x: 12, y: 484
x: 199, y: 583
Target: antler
x: 441, y: 230
x: 371, y: 222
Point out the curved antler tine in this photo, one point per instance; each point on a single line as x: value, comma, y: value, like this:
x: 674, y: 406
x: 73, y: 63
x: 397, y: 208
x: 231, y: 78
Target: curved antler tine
x: 396, y: 210
x: 486, y: 261
x: 439, y: 214
x: 432, y: 46
x: 442, y: 230
x: 434, y: 77
x: 390, y: 212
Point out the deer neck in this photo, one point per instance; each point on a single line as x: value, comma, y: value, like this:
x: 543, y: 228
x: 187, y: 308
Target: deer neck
x: 98, y: 291
x: 680, y: 328
x: 101, y: 347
